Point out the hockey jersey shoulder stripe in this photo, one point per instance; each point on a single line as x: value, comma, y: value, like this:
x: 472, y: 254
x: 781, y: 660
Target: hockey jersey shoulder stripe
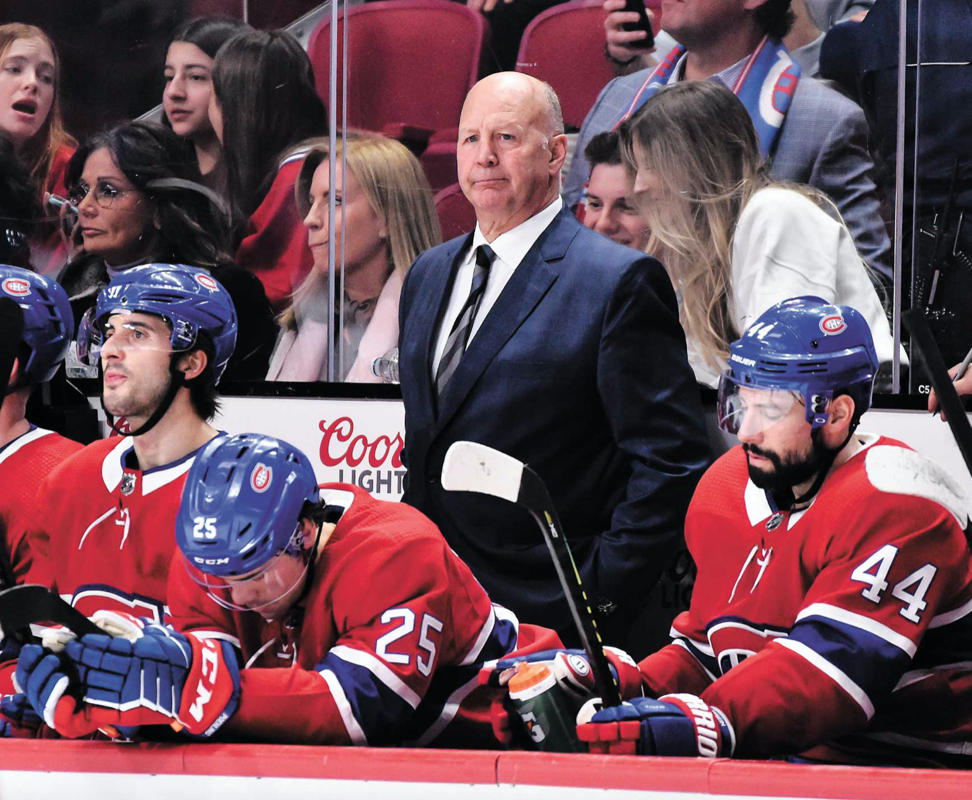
x: 379, y: 669
x: 764, y: 631
x: 948, y: 617
x: 355, y: 733
x: 834, y: 673
x: 898, y: 470
x: 22, y: 441
x: 156, y: 479
x: 872, y: 626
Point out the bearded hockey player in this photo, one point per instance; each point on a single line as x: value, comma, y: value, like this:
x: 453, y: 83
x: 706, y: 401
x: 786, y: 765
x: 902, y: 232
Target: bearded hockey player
x: 831, y: 613
x: 102, y: 531
x: 353, y: 620
x: 29, y: 453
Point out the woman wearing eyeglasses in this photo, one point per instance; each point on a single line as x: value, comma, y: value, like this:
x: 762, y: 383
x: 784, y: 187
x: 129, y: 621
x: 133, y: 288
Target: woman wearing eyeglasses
x: 139, y: 199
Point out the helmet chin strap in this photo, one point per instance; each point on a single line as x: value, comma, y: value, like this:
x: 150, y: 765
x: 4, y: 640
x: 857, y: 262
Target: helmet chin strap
x: 176, y: 382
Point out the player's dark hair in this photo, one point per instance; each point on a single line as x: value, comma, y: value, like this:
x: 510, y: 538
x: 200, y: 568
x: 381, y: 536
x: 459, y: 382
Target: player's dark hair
x: 775, y: 18
x: 202, y: 391
x: 264, y: 84
x: 208, y: 34
x: 604, y: 148
x: 192, y: 229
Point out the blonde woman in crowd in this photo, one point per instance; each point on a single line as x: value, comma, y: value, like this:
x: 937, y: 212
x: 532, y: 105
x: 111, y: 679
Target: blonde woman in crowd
x: 384, y: 202
x: 733, y: 241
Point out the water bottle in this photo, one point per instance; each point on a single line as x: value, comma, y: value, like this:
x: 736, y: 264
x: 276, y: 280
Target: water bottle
x: 547, y: 711
x: 386, y: 366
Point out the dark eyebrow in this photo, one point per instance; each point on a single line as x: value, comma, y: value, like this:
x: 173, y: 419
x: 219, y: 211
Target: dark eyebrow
x: 191, y: 66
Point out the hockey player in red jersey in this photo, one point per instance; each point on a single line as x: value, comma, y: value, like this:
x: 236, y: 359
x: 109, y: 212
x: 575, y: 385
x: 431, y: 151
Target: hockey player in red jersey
x: 102, y: 531
x: 831, y: 613
x: 353, y: 620
x: 29, y: 453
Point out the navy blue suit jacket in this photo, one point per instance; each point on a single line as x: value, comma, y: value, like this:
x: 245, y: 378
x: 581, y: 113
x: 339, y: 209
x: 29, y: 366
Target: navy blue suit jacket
x: 580, y: 371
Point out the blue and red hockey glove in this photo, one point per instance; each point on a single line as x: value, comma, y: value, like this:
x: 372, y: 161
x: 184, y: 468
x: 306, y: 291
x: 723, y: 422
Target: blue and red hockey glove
x: 672, y: 725
x: 572, y: 671
x: 154, y: 677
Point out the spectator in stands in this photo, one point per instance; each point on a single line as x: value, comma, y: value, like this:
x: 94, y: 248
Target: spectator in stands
x: 189, y: 85
x: 19, y: 207
x: 384, y: 202
x: 813, y: 135
x: 734, y: 242
x: 609, y: 202
x: 139, y: 201
x: 30, y: 116
x: 263, y: 106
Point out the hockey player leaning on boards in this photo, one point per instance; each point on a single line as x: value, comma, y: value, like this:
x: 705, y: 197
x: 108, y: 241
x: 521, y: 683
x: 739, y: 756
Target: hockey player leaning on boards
x: 831, y: 612
x: 355, y: 622
x: 29, y: 453
x: 101, y: 531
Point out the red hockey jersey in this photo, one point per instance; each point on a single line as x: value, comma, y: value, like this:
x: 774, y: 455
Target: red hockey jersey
x: 24, y: 463
x: 274, y: 247
x: 103, y: 530
x: 385, y: 647
x: 847, y: 625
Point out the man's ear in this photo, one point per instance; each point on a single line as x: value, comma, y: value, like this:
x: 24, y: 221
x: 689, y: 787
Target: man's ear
x: 558, y: 152
x: 14, y: 370
x: 841, y: 413
x: 752, y: 5
x: 193, y: 363
x: 308, y: 531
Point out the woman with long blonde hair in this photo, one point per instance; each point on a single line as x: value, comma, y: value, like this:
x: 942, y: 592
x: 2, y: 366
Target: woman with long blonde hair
x: 733, y: 241
x: 384, y: 202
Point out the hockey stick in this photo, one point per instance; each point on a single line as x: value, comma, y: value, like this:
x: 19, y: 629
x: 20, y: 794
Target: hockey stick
x: 472, y: 467
x: 948, y: 398
x: 22, y: 606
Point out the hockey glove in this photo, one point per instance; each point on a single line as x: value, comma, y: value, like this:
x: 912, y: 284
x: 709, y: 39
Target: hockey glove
x: 162, y: 677
x: 673, y: 725
x: 17, y: 719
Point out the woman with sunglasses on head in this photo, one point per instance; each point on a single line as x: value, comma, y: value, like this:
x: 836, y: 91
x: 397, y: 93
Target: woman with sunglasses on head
x: 30, y: 117
x: 733, y: 241
x: 139, y: 201
x: 189, y: 85
x: 263, y: 106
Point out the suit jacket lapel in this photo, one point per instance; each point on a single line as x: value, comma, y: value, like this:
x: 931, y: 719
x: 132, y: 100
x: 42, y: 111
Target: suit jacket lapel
x: 527, y: 286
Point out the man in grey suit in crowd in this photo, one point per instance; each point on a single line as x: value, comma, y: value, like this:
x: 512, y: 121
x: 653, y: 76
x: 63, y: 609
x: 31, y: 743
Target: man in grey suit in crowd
x: 823, y: 139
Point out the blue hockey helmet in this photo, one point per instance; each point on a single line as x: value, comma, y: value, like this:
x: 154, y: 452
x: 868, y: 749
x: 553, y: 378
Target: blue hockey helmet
x: 190, y: 300
x: 805, y: 346
x: 48, y: 321
x: 241, y: 504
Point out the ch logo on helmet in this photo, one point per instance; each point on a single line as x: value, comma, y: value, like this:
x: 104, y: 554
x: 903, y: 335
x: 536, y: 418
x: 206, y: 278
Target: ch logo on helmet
x: 207, y: 282
x: 16, y: 287
x: 833, y: 325
x: 260, y: 478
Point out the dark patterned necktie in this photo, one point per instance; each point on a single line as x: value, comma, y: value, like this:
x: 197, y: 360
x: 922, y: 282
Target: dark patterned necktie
x: 459, y: 337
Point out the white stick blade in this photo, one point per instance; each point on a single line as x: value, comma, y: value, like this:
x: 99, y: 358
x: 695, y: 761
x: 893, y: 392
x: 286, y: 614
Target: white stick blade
x: 472, y: 467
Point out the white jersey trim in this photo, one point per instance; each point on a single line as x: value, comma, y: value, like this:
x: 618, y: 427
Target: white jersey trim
x: 23, y: 441
x: 681, y: 643
x: 757, y: 506
x: 897, y: 470
x: 951, y: 616
x: 916, y: 675
x: 766, y: 634
x: 861, y: 622
x: 841, y: 678
x: 480, y: 643
x: 704, y: 647
x: 344, y: 708
x: 258, y: 653
x: 959, y: 748
x: 377, y: 667
x: 111, y: 467
x: 156, y: 480
x: 449, y: 710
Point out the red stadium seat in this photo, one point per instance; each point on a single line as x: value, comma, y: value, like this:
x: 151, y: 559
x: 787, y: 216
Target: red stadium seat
x: 439, y: 159
x: 410, y: 64
x: 564, y: 46
x: 456, y: 214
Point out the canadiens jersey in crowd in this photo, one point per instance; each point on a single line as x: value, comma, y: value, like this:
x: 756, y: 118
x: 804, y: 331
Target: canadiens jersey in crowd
x: 384, y: 649
x: 103, y: 530
x: 24, y: 463
x: 844, y: 627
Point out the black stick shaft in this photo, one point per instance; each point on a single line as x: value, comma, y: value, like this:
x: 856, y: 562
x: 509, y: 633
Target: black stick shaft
x: 948, y: 399
x: 536, y: 499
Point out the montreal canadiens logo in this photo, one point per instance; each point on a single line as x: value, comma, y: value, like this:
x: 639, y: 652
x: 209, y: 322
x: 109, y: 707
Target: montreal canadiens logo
x: 833, y: 325
x: 16, y: 287
x: 208, y: 282
x: 260, y: 478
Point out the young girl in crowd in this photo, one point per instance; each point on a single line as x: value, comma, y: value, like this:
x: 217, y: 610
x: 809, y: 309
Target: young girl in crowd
x: 139, y: 200
x: 384, y: 202
x: 189, y: 85
x: 30, y: 117
x: 735, y: 243
x: 263, y: 105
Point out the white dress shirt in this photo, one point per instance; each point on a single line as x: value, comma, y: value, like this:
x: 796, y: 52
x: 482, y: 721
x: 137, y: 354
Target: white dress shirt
x: 509, y: 248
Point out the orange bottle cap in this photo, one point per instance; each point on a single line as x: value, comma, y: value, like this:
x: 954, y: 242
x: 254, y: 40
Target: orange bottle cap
x: 527, y: 676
